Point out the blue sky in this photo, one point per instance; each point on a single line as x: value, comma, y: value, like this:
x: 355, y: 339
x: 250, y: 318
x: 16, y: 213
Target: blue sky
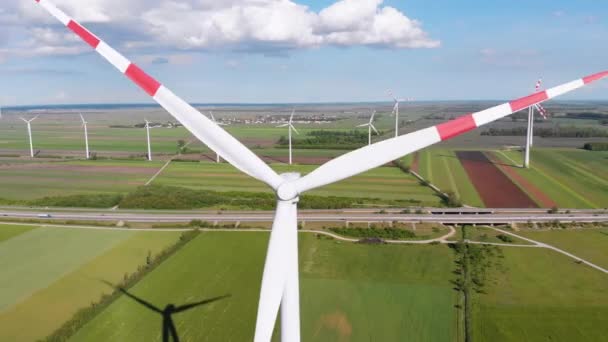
x: 470, y: 50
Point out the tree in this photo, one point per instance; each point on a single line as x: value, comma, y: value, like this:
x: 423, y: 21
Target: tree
x: 181, y: 144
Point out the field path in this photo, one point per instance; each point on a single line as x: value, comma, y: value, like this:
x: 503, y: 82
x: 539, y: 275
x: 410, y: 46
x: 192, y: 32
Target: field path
x: 542, y: 244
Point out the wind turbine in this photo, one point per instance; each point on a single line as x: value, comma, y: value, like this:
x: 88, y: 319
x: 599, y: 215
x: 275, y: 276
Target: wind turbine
x: 370, y: 126
x: 86, y: 136
x: 29, y: 133
x: 396, y: 110
x: 217, y: 156
x: 280, y: 283
x: 289, y: 129
x: 148, y: 138
x: 0, y: 112
x: 530, y: 131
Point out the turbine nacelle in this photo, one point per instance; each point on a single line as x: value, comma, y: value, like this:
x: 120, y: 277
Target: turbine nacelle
x: 287, y: 191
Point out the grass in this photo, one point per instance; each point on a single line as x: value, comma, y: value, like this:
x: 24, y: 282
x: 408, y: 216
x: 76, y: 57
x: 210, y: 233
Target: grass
x: 34, y: 260
x: 542, y: 296
x: 46, y: 309
x: 383, y: 182
x: 349, y: 292
x: 32, y: 180
x: 485, y: 234
x: 442, y: 168
x: 572, y: 178
x: 590, y: 244
x: 9, y: 231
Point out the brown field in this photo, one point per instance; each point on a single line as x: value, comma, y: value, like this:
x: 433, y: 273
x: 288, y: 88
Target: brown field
x: 494, y: 187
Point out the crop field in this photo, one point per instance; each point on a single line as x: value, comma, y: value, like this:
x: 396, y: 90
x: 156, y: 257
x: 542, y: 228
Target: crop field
x: 442, y: 168
x: 35, y: 180
x: 349, y: 292
x: 60, y: 270
x: 541, y: 295
x: 588, y: 243
x: 383, y: 182
x: 571, y: 178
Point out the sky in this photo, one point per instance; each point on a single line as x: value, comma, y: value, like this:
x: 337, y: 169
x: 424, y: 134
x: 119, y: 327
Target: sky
x: 295, y: 51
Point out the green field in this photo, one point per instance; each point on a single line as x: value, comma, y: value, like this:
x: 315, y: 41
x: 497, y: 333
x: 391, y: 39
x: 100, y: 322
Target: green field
x: 59, y: 271
x: 383, y: 183
x: 10, y: 231
x: 442, y: 168
x: 485, y: 234
x: 542, y: 296
x: 349, y: 292
x: 35, y: 180
x: 589, y: 243
x: 571, y: 178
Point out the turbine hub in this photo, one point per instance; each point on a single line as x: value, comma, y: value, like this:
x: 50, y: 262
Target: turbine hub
x: 287, y: 191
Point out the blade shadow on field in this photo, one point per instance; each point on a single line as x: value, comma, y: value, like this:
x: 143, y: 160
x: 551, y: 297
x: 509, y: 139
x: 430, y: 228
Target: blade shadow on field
x: 168, y: 326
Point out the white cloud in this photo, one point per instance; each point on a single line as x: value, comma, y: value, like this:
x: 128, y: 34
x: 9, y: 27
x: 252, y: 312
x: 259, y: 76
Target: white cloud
x: 268, y: 26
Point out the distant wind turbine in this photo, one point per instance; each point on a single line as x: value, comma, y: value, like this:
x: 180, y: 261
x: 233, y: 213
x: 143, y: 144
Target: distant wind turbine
x: 86, y: 136
x: 370, y: 126
x: 290, y: 128
x: 0, y: 112
x: 396, y: 110
x: 148, y: 138
x: 530, y: 133
x: 29, y: 133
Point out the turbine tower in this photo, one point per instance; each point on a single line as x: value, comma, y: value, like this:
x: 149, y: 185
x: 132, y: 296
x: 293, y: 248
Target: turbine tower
x: 29, y: 133
x: 370, y: 126
x: 280, y: 283
x: 530, y: 131
x: 290, y: 127
x: 217, y: 156
x: 148, y: 138
x: 86, y: 136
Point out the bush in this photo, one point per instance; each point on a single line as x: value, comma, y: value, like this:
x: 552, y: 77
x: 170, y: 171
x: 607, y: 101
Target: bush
x: 505, y: 238
x: 596, y: 146
x: 89, y: 201
x: 381, y: 233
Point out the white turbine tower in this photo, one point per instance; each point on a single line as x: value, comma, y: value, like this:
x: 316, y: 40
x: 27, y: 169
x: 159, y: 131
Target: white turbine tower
x: 280, y: 284
x: 290, y: 127
x: 217, y: 155
x: 148, y: 139
x: 396, y: 110
x: 370, y: 126
x: 86, y: 136
x: 29, y: 133
x: 530, y: 131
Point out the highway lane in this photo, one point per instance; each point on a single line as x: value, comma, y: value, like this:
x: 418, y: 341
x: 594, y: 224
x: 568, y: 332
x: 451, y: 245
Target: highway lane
x: 308, y: 216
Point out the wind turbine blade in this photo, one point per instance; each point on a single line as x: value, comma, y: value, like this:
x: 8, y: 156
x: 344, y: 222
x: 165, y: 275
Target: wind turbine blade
x: 372, y: 118
x: 380, y: 153
x: 34, y: 118
x: 203, y: 128
x: 82, y: 118
x: 284, y: 125
x: 364, y: 125
x: 294, y: 129
x: 275, y: 270
x: 291, y: 117
x: 395, y: 107
x: 212, y: 117
x: 24, y: 120
x: 374, y: 128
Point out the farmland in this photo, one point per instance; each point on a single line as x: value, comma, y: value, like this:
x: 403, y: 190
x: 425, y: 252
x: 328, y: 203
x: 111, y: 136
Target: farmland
x: 541, y: 296
x: 59, y: 272
x: 384, y: 182
x: 352, y: 292
x: 571, y: 178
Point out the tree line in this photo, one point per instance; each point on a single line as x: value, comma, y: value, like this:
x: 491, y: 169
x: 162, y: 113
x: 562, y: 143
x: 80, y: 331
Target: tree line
x: 556, y: 131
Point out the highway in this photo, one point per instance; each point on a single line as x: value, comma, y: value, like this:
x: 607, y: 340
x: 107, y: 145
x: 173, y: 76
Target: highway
x: 436, y: 215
